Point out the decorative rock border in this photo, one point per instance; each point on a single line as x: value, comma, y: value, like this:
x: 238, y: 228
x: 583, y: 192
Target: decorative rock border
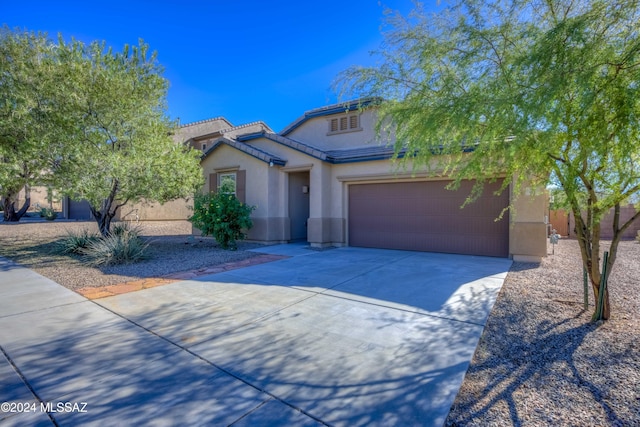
x: 151, y: 282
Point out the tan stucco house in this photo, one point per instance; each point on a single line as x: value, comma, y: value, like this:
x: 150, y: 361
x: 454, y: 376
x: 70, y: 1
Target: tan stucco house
x: 327, y: 180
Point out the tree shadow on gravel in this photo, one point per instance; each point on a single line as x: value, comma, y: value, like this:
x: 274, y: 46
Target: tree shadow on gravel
x: 30, y: 255
x: 515, y: 361
x: 7, y: 265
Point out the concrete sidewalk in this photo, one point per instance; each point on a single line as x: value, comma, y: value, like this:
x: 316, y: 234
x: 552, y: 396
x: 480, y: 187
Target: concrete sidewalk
x: 347, y: 336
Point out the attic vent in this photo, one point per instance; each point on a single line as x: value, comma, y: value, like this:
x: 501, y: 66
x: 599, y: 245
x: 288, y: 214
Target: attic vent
x: 347, y: 123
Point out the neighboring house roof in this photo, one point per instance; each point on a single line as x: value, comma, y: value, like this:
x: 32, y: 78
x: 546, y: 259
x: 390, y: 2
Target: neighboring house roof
x: 245, y: 148
x: 213, y: 119
x: 191, y: 131
x: 235, y: 130
x: 342, y: 107
x: 231, y: 132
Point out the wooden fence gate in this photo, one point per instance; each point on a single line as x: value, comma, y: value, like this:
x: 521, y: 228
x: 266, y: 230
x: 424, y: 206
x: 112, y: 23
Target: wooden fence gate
x: 559, y: 220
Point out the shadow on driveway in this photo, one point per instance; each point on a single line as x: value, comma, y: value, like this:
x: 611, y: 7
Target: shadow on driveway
x: 342, y: 337
x: 349, y: 336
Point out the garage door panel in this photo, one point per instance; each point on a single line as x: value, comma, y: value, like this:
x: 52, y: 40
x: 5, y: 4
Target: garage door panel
x: 424, y: 216
x: 433, y: 243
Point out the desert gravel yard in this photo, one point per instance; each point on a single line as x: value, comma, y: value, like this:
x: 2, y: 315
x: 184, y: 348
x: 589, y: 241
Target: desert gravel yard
x: 171, y: 249
x: 539, y: 361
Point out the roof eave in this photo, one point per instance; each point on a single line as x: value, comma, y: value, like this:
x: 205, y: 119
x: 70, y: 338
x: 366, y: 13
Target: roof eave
x: 261, y: 155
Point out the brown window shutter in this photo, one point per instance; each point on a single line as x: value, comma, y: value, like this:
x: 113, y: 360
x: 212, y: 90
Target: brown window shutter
x: 343, y: 123
x: 334, y: 125
x: 213, y: 183
x: 241, y: 185
x: 353, y: 122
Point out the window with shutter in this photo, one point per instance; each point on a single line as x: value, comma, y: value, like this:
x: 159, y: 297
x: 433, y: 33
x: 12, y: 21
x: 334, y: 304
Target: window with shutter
x: 346, y: 123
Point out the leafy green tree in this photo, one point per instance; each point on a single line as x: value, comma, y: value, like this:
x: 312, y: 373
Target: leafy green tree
x: 540, y: 91
x: 222, y: 216
x: 124, y: 150
x: 34, y: 95
x: 89, y: 121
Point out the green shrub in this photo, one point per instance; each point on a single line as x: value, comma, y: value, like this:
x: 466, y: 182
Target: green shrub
x: 48, y: 214
x: 74, y: 243
x: 222, y: 216
x: 118, y: 248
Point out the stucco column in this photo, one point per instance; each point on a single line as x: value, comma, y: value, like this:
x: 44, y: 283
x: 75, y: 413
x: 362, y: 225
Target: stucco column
x: 528, y: 233
x: 319, y: 224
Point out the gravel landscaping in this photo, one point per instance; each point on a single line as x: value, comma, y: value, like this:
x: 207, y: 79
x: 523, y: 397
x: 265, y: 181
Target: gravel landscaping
x: 171, y: 249
x: 540, y: 360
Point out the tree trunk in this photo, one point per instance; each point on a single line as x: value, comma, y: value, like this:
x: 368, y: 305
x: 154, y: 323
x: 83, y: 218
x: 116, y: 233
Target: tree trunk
x: 588, y: 234
x: 103, y: 218
x: 9, y: 213
x: 105, y: 215
x: 9, y: 203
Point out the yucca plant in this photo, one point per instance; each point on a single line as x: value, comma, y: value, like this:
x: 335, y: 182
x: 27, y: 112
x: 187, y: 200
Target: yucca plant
x: 122, y: 228
x: 122, y: 247
x: 75, y: 242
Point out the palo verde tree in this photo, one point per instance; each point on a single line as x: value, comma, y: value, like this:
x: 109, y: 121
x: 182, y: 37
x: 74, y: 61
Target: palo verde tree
x: 541, y: 91
x: 123, y: 146
x: 34, y: 96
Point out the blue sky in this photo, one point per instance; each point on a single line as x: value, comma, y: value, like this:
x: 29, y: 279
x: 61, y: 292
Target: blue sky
x: 244, y: 60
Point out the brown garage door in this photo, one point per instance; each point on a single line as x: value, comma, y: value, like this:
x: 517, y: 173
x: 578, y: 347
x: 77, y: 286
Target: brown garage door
x: 424, y: 216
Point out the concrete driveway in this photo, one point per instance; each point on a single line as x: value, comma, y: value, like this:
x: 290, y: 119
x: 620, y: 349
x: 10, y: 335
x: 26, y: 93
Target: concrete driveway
x: 347, y: 336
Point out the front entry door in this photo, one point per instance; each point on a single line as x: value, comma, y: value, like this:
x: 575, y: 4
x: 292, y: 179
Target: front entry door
x: 298, y: 204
